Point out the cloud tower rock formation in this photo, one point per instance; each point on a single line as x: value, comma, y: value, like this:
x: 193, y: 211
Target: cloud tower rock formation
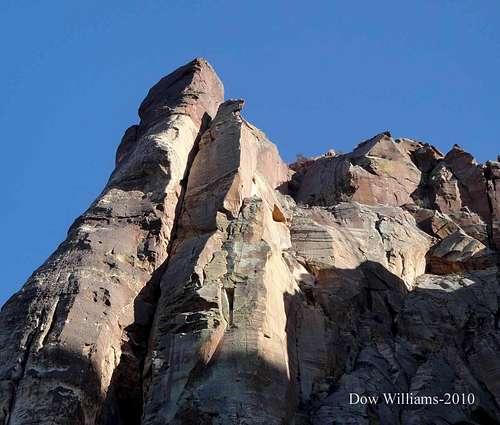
x: 211, y: 283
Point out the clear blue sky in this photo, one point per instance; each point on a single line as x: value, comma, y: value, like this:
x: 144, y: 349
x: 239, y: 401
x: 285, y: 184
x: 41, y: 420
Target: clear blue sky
x: 315, y: 75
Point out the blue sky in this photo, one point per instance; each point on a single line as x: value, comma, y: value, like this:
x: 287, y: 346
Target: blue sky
x: 315, y: 75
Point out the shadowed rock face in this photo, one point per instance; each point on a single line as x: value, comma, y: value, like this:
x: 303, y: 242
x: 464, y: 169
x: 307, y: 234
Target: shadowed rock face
x: 210, y: 283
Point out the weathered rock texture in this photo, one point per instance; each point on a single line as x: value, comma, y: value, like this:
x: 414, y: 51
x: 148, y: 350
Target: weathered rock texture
x: 65, y: 334
x: 210, y: 283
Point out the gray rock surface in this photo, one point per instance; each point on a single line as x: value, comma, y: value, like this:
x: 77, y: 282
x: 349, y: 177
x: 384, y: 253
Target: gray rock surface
x: 210, y: 283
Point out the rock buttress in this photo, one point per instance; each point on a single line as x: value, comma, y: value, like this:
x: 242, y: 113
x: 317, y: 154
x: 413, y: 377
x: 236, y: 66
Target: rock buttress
x: 424, y: 320
x: 379, y: 277
x: 61, y: 335
x: 218, y: 351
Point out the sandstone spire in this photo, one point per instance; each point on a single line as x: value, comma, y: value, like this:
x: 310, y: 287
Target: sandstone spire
x: 210, y: 283
x: 62, y: 336
x: 222, y: 291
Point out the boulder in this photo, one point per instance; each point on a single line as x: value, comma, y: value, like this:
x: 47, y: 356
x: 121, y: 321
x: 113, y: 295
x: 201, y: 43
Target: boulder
x: 433, y: 222
x: 459, y: 252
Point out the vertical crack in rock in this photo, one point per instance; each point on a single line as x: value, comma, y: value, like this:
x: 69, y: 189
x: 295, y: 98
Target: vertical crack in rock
x: 95, y: 281
x: 227, y: 239
x: 193, y: 290
x: 124, y: 403
x: 51, y: 322
x: 230, y: 304
x: 10, y: 391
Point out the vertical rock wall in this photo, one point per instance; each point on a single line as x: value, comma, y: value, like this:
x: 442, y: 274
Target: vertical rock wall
x: 61, y: 336
x: 194, y: 291
x: 221, y: 316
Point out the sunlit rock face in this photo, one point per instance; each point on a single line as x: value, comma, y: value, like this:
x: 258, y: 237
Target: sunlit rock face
x: 211, y: 283
x: 74, y: 333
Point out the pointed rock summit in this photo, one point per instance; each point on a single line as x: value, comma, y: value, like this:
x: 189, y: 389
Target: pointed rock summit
x: 211, y: 283
x: 85, y: 313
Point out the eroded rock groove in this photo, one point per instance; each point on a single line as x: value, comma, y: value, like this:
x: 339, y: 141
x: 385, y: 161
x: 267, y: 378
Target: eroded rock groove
x: 211, y: 283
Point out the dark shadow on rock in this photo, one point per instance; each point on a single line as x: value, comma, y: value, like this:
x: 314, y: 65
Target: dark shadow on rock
x: 123, y: 404
x: 361, y: 331
x: 253, y: 392
x: 426, y: 158
x: 124, y: 401
x: 53, y: 381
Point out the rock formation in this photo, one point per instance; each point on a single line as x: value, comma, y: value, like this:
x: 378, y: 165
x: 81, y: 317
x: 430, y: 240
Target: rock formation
x: 210, y: 283
x: 63, y: 336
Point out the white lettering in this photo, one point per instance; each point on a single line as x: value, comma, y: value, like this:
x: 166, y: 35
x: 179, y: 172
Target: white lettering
x: 362, y: 399
x: 389, y: 398
x: 352, y: 397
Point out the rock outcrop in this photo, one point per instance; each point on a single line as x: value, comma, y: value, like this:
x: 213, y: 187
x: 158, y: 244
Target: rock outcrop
x: 492, y: 174
x: 210, y: 283
x: 378, y: 171
x: 459, y: 252
x: 65, y: 334
x: 223, y: 287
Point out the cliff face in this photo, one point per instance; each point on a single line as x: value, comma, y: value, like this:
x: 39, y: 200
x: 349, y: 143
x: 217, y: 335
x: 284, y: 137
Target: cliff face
x: 210, y: 283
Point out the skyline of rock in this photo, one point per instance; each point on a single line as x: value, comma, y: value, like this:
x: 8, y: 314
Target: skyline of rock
x: 210, y: 282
